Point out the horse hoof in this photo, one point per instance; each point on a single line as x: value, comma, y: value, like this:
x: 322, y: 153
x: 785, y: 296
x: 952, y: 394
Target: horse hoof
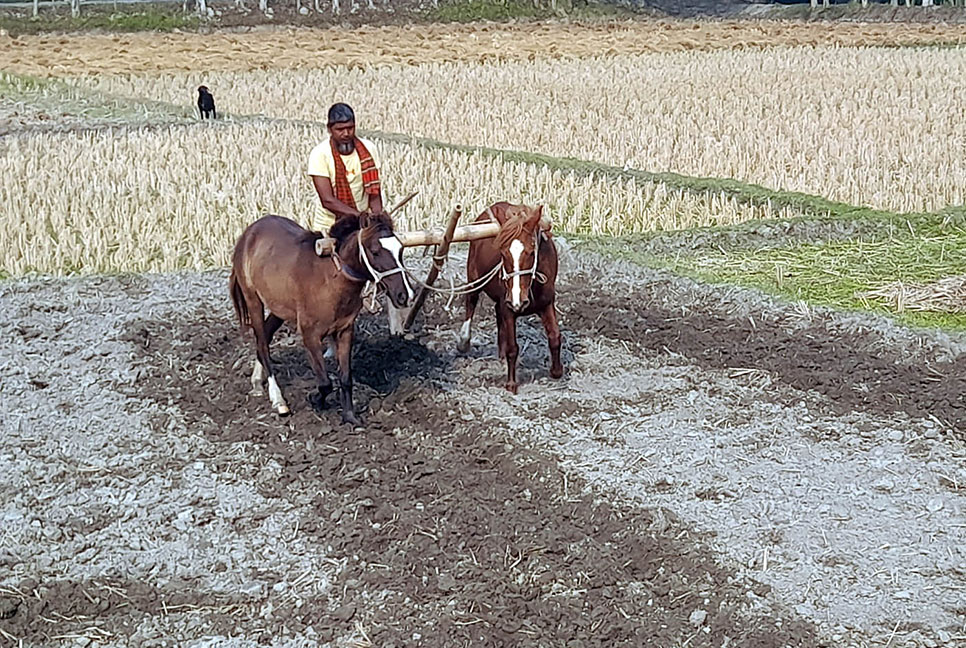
x: 257, y: 391
x: 352, y: 420
x: 283, y: 410
x: 463, y: 346
x: 512, y: 387
x: 556, y: 372
x: 316, y: 400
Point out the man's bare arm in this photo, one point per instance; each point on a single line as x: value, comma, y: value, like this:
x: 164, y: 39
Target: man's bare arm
x: 375, y: 203
x: 324, y: 188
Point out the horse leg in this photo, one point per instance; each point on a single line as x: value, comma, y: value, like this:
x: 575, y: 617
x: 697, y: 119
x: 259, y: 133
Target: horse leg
x: 511, y: 348
x: 472, y: 299
x: 500, y: 332
x: 313, y: 347
x: 260, y: 327
x: 343, y: 352
x: 549, y: 317
x: 397, y: 318
x: 272, y: 322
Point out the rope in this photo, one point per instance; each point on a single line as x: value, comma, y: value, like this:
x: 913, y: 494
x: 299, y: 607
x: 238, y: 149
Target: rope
x: 463, y: 289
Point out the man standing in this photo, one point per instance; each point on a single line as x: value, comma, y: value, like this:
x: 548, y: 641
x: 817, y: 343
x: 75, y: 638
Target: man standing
x: 345, y: 172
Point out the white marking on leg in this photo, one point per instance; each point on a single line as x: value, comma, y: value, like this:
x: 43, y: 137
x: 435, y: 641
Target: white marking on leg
x: 395, y: 246
x: 258, y: 377
x: 274, y: 393
x: 329, y: 349
x: 516, y: 249
x: 397, y: 318
x: 465, y: 331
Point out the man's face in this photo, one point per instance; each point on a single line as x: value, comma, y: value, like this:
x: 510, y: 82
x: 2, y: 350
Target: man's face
x: 343, y: 134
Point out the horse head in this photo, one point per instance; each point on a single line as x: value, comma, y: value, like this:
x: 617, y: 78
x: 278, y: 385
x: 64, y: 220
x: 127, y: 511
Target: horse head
x: 381, y: 255
x: 518, y: 242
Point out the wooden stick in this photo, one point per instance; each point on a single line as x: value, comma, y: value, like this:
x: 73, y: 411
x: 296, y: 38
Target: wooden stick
x: 462, y: 234
x: 438, y: 258
x: 401, y: 203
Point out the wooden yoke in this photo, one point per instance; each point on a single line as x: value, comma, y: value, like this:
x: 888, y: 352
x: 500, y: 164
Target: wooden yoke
x: 461, y: 234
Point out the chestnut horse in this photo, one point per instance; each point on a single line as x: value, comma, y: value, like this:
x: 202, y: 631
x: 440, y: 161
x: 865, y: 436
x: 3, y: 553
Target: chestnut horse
x: 521, y: 262
x: 276, y: 265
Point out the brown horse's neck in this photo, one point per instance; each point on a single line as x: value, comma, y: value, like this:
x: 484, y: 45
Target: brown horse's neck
x: 348, y: 251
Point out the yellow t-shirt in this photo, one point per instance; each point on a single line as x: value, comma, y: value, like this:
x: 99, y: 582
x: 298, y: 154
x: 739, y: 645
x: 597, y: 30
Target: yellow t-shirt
x: 321, y: 163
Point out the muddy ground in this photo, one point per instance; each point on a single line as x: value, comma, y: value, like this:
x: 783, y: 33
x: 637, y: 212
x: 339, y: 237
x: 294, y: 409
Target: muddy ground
x: 715, y: 469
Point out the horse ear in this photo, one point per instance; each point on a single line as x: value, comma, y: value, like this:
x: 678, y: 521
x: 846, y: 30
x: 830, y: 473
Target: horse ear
x: 535, y: 214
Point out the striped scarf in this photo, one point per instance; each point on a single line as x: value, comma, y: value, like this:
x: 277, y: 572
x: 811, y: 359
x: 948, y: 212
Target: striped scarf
x: 370, y: 174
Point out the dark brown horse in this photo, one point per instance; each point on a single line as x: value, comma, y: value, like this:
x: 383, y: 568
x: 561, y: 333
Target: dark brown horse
x: 521, y: 262
x: 276, y: 266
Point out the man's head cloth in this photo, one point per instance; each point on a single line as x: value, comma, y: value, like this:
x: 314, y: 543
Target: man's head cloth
x: 340, y: 113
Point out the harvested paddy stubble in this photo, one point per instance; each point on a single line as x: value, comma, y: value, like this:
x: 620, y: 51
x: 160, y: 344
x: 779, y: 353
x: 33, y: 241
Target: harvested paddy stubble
x: 178, y: 197
x: 823, y: 121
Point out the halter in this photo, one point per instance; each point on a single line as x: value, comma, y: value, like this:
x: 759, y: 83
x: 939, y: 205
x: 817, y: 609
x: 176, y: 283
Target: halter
x: 538, y: 276
x: 377, y: 276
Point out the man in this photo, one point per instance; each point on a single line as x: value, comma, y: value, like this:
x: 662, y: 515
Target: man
x: 345, y: 172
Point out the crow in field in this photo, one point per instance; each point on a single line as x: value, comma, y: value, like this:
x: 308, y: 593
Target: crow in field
x: 206, y: 103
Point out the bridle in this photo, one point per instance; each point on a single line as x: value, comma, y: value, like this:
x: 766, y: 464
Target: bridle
x: 532, y: 271
x: 376, y: 276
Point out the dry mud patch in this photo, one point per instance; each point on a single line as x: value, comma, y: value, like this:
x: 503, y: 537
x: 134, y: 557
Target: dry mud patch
x: 691, y: 480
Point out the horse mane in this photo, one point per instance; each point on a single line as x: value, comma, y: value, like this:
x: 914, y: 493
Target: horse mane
x: 343, y: 227
x: 512, y: 228
x: 349, y: 225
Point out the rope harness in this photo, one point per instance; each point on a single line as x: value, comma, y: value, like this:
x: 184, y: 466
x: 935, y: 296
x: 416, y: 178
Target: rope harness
x: 370, y: 292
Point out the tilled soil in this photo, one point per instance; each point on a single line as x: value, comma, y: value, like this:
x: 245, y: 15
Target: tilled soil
x: 702, y: 476
x: 306, y: 48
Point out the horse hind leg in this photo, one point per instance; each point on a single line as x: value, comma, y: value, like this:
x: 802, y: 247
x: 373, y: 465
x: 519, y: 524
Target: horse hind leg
x: 466, y: 330
x: 263, y: 333
x: 272, y: 322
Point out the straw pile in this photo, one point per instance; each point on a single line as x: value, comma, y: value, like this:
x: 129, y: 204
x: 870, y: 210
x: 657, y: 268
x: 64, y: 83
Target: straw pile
x: 69, y: 55
x: 944, y: 296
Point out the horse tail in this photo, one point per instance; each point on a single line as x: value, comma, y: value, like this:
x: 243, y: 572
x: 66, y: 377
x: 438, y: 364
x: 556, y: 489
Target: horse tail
x: 238, y: 300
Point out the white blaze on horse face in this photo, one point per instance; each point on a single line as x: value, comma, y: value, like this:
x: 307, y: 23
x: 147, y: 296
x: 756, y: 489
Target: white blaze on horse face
x: 516, y: 249
x: 395, y: 247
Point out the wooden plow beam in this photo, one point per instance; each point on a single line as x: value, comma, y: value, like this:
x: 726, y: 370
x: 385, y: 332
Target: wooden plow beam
x: 442, y: 238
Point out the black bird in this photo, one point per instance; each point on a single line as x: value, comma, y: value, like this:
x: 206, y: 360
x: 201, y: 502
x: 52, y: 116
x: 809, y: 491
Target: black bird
x: 206, y: 103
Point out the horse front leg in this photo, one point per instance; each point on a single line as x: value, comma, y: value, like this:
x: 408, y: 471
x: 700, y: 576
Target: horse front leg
x: 312, y: 339
x: 500, y: 332
x: 509, y: 335
x: 343, y: 352
x: 554, y: 339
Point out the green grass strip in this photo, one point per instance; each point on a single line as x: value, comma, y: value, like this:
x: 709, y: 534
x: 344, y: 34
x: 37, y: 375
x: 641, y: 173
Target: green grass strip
x: 831, y: 274
x: 55, y: 95
x: 148, y: 19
